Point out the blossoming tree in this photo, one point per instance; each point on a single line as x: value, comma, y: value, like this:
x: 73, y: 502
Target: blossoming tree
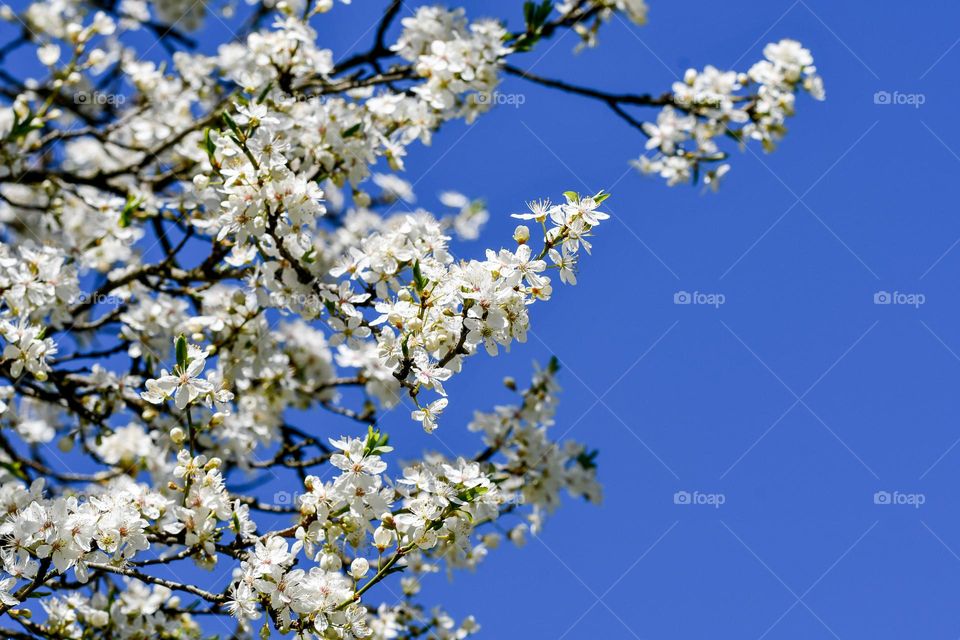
x: 192, y: 248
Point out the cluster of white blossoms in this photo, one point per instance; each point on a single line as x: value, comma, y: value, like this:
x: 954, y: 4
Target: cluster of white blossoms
x: 456, y: 60
x: 711, y: 104
x: 211, y: 270
x: 361, y: 526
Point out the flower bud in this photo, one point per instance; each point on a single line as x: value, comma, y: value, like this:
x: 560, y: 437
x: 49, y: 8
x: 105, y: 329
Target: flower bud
x: 96, y: 57
x: 330, y: 562
x: 65, y: 444
x: 73, y: 31
x: 382, y: 538
x: 177, y: 435
x: 410, y: 585
x: 518, y: 535
x: 103, y: 24
x: 359, y: 568
x: 521, y: 234
x: 361, y: 199
x: 98, y: 618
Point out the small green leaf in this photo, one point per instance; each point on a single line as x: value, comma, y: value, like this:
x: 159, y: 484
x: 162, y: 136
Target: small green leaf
x: 554, y: 365
x: 230, y: 123
x: 22, y: 127
x: 587, y: 459
x: 14, y: 468
x: 182, y: 358
x: 128, y: 209
x: 418, y: 280
x: 208, y: 143
x: 263, y: 94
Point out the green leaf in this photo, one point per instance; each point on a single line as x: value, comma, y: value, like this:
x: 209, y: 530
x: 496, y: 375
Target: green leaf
x: 536, y: 15
x: 572, y: 195
x: 354, y: 130
x: 543, y: 12
x: 208, y: 143
x: 23, y: 127
x: 418, y: 280
x: 128, y: 209
x: 554, y: 365
x: 587, y: 459
x: 263, y: 94
x: 376, y: 442
x: 231, y: 123
x: 15, y: 468
x: 600, y: 197
x: 182, y: 358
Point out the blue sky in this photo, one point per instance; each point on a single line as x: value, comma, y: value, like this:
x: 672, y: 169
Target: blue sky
x: 797, y: 400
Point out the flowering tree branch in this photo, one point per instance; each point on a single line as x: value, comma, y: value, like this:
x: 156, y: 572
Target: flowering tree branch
x: 195, y: 252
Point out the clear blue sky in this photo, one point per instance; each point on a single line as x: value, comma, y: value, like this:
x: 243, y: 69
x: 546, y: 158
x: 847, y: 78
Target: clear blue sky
x: 674, y: 396
x: 797, y: 400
